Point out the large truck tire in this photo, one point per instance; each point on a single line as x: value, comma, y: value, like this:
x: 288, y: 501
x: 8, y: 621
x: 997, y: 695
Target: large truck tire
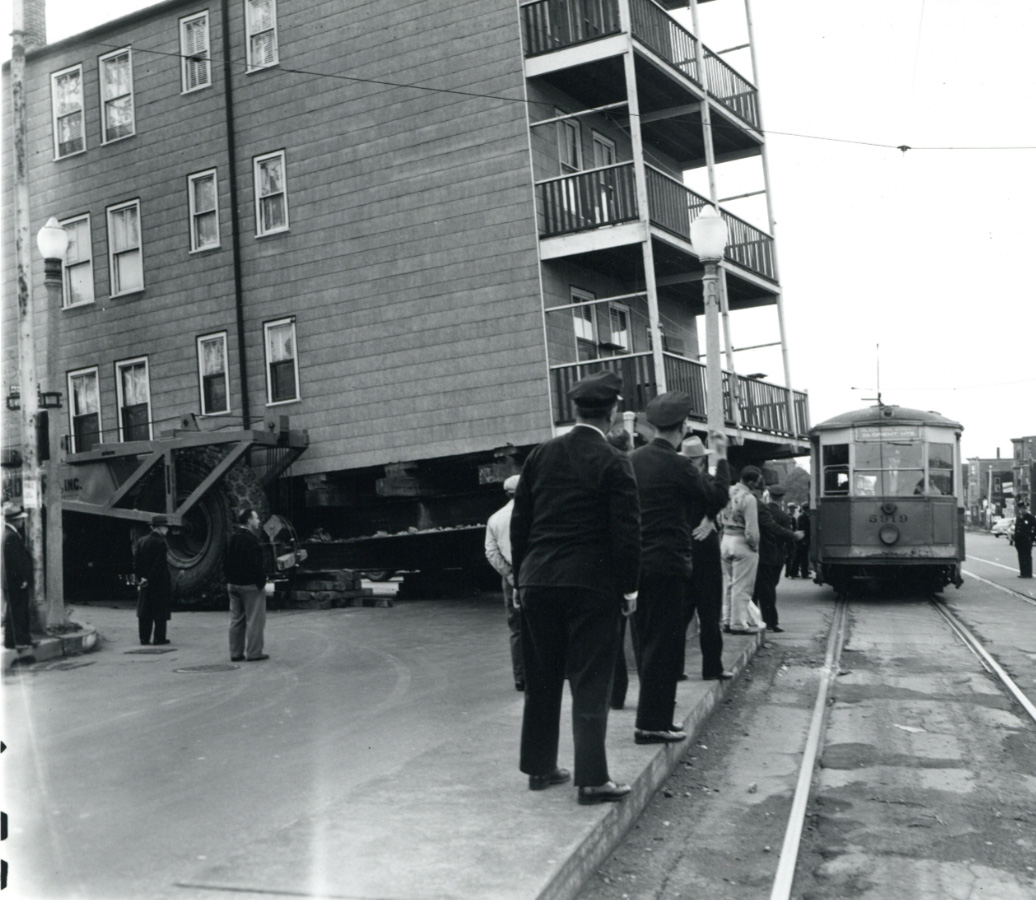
x: 196, y: 552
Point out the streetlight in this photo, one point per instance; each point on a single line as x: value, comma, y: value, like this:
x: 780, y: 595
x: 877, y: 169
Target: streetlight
x: 52, y: 242
x: 709, y: 239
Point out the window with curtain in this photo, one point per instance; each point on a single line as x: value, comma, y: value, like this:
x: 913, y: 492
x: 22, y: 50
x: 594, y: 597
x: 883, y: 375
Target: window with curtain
x: 204, y: 209
x: 212, y: 371
x: 261, y: 16
x: 281, y: 361
x: 84, y: 409
x: 271, y: 195
x: 67, y: 106
x: 134, y: 400
x: 116, y: 95
x: 194, y: 52
x: 78, y: 281
x: 124, y: 248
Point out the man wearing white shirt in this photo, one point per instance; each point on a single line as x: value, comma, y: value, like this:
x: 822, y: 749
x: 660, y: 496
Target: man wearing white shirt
x: 498, y: 552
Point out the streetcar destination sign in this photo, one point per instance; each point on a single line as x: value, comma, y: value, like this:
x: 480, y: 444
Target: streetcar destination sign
x: 888, y: 433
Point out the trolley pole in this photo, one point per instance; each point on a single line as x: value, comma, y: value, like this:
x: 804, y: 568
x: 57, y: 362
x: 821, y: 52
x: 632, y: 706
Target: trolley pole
x: 28, y: 385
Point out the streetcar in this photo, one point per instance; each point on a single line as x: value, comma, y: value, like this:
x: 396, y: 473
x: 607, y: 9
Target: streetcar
x: 889, y: 500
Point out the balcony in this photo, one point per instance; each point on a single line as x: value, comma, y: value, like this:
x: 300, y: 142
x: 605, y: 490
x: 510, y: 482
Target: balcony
x: 550, y: 25
x: 607, y: 196
x: 763, y: 407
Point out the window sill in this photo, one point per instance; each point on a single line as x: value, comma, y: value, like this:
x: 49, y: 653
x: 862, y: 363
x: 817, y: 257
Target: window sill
x: 203, y: 250
x: 125, y: 137
x: 267, y: 234
x: 283, y: 402
x: 253, y: 69
x: 82, y: 305
x: 70, y: 155
x: 194, y: 90
x: 123, y: 296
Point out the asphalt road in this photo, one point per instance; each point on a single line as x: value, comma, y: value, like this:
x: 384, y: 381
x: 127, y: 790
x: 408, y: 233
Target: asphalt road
x: 927, y: 782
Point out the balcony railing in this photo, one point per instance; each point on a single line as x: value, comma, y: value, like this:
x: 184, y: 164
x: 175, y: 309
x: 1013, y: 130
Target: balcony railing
x: 763, y: 407
x: 656, y: 29
x: 585, y: 200
x: 735, y: 92
x: 553, y: 24
x: 673, y: 206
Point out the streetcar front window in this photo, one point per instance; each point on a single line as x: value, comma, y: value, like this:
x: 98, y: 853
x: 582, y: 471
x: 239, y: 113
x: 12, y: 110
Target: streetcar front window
x: 888, y: 469
x: 836, y: 469
x: 940, y: 469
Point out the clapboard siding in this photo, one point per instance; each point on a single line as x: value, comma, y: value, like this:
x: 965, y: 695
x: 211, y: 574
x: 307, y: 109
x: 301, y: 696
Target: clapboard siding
x: 410, y: 263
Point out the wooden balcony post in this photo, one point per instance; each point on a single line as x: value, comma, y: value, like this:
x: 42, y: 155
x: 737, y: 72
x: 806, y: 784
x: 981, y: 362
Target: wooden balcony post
x: 640, y: 180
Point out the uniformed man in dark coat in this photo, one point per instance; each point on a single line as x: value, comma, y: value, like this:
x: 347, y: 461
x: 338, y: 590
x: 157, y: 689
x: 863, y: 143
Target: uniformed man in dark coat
x: 575, y: 548
x: 1024, y: 535
x: 155, y: 597
x: 775, y: 535
x: 669, y: 485
x: 705, y: 591
x: 17, y: 581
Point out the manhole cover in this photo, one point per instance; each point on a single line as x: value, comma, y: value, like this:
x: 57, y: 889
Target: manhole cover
x: 151, y: 651
x: 217, y: 667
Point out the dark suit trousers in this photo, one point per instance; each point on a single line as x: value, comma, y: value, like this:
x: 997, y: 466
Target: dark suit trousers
x: 144, y: 626
x: 800, y: 561
x: 658, y: 636
x: 567, y: 632
x: 766, y: 578
x: 704, y: 595
x: 1024, y: 551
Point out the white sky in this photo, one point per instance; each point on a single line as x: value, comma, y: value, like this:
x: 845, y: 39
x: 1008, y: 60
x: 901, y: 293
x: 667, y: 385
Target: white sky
x: 926, y: 253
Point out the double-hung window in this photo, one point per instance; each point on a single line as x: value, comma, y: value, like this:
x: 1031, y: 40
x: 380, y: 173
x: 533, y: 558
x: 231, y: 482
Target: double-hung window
x: 271, y: 193
x: 134, y: 399
x: 261, y: 23
x: 78, y: 280
x: 212, y: 374
x: 84, y: 409
x: 125, y: 252
x: 282, y: 365
x: 116, y: 71
x: 194, y: 52
x: 202, y: 198
x: 66, y: 95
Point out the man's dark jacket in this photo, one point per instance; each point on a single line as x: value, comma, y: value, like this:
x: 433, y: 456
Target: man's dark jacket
x: 671, y: 491
x: 576, y: 518
x: 155, y: 598
x: 775, y: 534
x: 244, y: 563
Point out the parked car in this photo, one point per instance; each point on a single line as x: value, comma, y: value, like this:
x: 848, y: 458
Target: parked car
x: 1004, y: 527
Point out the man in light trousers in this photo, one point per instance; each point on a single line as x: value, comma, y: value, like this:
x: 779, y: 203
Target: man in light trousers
x: 739, y: 551
x: 498, y: 552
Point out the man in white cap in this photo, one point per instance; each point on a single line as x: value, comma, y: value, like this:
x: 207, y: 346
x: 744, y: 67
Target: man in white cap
x: 498, y: 552
x: 17, y: 581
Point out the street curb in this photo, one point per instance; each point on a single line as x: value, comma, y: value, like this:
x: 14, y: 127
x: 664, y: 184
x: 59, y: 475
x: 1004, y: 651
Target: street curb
x: 82, y: 641
x: 574, y: 873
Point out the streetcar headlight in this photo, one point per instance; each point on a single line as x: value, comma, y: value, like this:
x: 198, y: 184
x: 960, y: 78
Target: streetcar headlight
x: 889, y: 534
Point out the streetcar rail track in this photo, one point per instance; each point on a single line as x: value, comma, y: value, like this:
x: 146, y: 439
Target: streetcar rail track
x: 975, y: 646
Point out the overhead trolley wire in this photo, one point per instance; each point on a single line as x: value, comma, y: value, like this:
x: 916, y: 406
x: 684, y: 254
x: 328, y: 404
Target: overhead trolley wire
x: 717, y: 126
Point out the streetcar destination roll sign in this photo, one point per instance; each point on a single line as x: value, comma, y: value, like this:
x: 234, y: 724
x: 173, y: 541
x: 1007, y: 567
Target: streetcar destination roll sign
x: 888, y: 433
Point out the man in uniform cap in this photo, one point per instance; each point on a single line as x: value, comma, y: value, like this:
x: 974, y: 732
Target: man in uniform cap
x: 705, y: 591
x: 1024, y: 535
x: 155, y: 596
x: 575, y: 548
x: 669, y: 486
x: 17, y: 581
x: 498, y: 552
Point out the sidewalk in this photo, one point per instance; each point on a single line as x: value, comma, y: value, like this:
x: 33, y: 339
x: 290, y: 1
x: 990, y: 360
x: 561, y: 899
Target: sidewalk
x: 51, y: 647
x: 385, y: 742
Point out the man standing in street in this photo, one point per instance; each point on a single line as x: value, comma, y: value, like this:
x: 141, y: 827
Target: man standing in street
x: 1024, y: 535
x: 775, y: 537
x: 705, y: 591
x: 575, y: 543
x: 498, y: 552
x: 246, y: 587
x: 668, y: 485
x: 155, y: 594
x: 17, y: 581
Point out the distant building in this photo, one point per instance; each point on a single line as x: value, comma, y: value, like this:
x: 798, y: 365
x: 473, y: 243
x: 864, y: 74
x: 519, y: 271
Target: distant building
x: 990, y: 485
x: 1024, y: 467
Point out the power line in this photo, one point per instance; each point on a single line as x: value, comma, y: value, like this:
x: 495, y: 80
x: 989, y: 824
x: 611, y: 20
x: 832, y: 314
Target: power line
x: 719, y: 126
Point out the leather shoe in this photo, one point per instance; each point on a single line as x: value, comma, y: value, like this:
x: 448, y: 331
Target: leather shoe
x: 776, y: 629
x: 640, y: 736
x: 519, y: 685
x: 237, y: 659
x: 609, y: 792
x: 721, y: 676
x: 743, y: 631
x: 257, y: 658
x: 682, y: 676
x: 542, y: 782
x: 163, y: 642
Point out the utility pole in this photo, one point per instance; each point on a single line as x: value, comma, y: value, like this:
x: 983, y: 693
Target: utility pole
x: 28, y: 384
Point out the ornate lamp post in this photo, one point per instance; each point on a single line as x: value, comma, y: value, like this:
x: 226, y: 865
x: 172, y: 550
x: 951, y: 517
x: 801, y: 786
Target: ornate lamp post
x: 52, y: 242
x: 709, y: 238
